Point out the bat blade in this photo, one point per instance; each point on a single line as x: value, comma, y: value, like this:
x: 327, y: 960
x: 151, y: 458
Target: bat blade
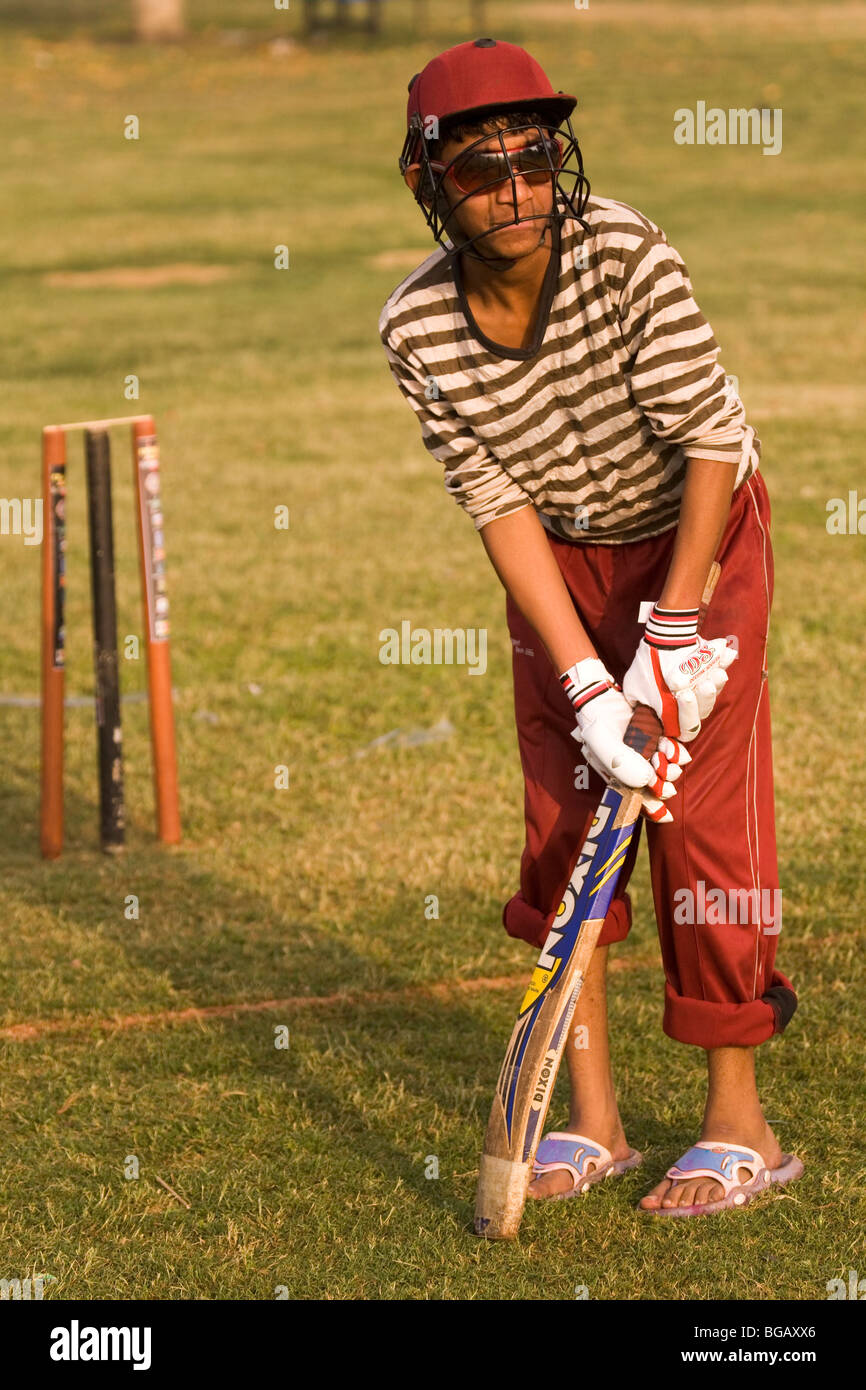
x: 535, y: 1050
x: 528, y: 1074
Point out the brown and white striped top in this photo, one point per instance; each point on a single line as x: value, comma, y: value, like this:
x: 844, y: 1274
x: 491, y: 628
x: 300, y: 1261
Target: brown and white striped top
x: 593, y: 423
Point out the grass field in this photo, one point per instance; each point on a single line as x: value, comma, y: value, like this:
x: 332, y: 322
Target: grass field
x: 305, y: 1166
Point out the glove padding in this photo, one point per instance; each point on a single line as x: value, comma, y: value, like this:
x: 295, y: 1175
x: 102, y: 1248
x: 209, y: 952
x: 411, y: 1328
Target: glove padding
x: 681, y: 684
x: 603, y: 715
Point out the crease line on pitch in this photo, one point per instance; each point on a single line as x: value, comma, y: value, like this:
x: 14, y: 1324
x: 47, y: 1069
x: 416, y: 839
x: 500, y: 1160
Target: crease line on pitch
x: 29, y: 1030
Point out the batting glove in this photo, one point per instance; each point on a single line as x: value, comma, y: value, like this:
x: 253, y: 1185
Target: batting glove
x: 676, y: 672
x: 603, y: 715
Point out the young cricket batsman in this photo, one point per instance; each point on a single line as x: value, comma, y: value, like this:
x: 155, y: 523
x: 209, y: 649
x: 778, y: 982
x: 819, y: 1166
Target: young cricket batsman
x: 569, y: 385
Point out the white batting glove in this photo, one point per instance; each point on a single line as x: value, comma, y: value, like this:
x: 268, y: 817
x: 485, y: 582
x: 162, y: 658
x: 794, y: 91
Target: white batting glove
x: 603, y: 715
x: 676, y: 672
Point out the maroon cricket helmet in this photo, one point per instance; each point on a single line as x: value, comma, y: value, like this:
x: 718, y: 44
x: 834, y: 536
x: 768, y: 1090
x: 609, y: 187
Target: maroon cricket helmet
x: 482, y: 77
x: 467, y: 83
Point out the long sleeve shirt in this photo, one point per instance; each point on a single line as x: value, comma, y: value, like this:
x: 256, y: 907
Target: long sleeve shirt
x: 594, y: 422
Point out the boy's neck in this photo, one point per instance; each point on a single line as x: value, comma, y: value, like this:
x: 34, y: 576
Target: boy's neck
x: 517, y: 284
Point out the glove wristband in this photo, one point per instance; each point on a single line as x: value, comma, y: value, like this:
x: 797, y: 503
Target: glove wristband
x: 668, y: 628
x: 585, y: 680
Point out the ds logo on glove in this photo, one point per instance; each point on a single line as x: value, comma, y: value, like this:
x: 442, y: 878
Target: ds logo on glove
x: 702, y: 657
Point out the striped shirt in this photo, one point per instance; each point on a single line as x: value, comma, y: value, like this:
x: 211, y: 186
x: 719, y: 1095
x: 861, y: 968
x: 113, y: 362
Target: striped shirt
x: 592, y: 424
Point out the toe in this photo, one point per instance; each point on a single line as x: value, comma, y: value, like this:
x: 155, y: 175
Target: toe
x: 673, y: 1196
x: 549, y: 1184
x: 710, y: 1191
x: 682, y: 1194
x: 654, y: 1199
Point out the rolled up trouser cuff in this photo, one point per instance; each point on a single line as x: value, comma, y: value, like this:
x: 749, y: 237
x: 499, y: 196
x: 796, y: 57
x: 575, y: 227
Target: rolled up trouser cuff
x: 706, y: 1024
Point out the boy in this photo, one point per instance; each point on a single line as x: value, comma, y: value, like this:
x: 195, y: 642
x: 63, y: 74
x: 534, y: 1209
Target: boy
x: 566, y: 379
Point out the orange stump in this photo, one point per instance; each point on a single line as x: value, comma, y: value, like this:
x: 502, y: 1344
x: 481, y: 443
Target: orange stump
x: 53, y: 637
x: 151, y: 544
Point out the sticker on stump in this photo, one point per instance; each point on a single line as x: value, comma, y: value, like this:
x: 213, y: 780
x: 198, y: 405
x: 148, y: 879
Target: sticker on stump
x: 58, y: 534
x: 152, y: 537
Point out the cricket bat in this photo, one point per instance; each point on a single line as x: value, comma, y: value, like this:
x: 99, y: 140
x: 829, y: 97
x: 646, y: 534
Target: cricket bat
x: 532, y: 1059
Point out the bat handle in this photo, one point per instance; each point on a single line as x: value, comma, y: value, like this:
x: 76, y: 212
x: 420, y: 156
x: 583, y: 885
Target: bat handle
x: 644, y: 731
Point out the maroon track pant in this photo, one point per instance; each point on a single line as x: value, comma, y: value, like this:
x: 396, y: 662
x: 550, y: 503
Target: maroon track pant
x: 721, y: 985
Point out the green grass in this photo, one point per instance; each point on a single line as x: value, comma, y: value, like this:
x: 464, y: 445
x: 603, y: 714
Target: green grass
x: 306, y: 1166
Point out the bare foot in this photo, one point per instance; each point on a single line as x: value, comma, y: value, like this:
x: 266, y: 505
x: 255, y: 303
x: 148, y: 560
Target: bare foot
x: 673, y: 1192
x: 602, y: 1131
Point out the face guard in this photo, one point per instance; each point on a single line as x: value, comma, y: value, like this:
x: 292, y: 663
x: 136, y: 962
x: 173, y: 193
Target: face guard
x: 548, y: 155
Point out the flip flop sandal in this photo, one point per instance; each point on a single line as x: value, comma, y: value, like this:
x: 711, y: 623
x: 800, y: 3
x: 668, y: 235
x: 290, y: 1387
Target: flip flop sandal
x: 571, y: 1153
x: 721, y: 1162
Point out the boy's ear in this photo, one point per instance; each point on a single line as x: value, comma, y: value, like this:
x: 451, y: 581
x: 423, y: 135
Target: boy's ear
x: 412, y: 178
